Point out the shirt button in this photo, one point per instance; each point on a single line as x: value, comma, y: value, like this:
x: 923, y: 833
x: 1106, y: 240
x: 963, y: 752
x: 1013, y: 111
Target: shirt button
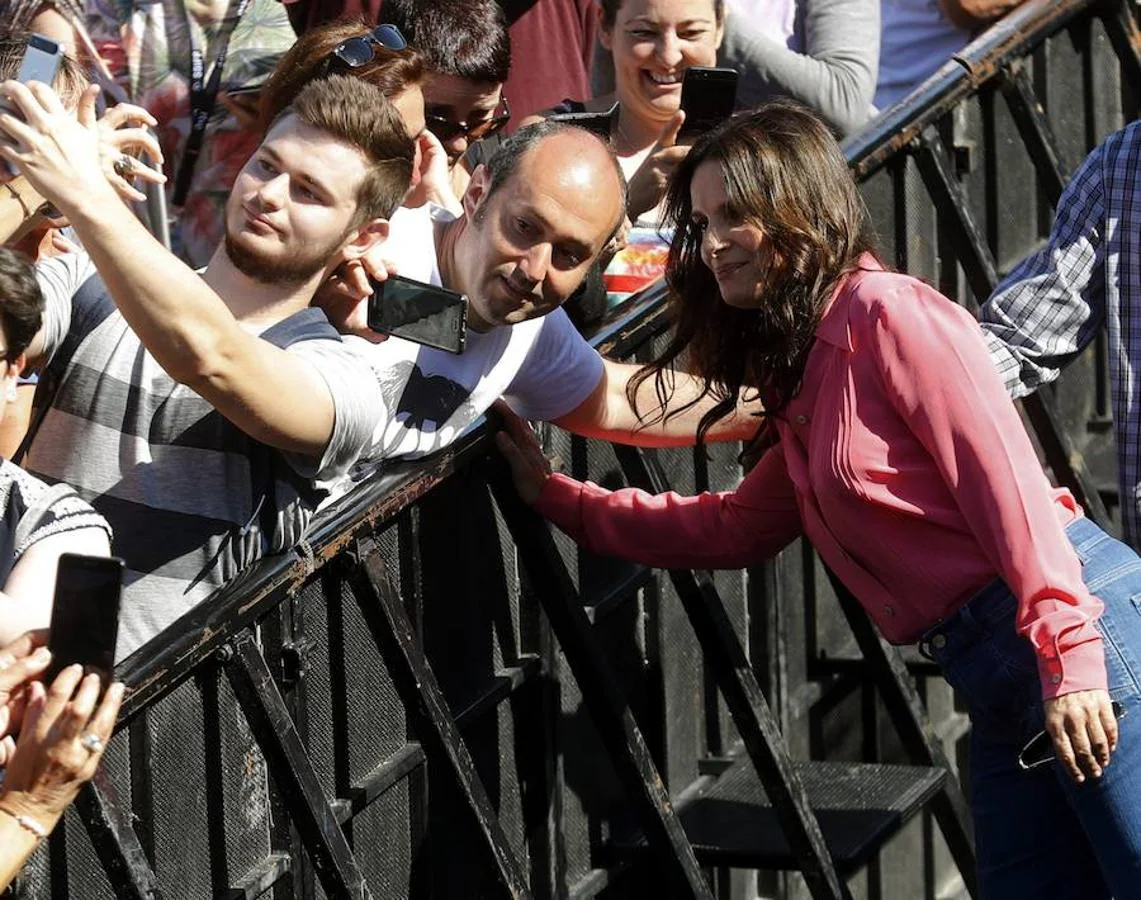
x: 802, y: 420
x: 889, y: 610
x: 939, y: 641
x: 1056, y: 678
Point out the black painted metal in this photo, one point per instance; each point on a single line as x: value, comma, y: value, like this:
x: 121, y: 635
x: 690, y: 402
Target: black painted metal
x: 269, y: 719
x: 908, y: 714
x: 750, y: 711
x: 116, y: 844
x: 1034, y: 127
x: 391, y: 629
x: 620, y: 733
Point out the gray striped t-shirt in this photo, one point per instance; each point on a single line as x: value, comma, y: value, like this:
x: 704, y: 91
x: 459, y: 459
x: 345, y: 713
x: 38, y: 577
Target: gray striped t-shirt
x: 192, y: 499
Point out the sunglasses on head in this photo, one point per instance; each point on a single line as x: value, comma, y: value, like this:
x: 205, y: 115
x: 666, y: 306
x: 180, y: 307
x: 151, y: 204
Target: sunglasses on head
x: 1039, y: 750
x: 448, y: 129
x: 357, y: 51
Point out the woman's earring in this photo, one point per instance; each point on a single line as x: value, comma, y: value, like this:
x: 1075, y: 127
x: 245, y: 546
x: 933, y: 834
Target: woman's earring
x: 10, y: 393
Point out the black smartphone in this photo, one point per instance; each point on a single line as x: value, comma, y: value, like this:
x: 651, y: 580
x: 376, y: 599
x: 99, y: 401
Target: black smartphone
x: 423, y: 313
x: 85, y: 614
x: 708, y: 96
x: 598, y: 123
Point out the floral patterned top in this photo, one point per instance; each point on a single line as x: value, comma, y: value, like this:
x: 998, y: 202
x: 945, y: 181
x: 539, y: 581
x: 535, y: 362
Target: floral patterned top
x: 148, y: 45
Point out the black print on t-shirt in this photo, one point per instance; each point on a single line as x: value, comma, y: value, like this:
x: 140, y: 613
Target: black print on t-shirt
x: 429, y: 399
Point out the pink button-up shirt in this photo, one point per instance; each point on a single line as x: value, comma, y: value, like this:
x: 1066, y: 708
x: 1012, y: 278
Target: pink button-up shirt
x: 905, y: 463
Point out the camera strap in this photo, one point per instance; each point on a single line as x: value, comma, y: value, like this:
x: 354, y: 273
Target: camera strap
x: 203, y: 94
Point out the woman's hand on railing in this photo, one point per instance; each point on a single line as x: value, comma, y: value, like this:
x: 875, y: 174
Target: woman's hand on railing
x: 530, y: 468
x: 65, y: 731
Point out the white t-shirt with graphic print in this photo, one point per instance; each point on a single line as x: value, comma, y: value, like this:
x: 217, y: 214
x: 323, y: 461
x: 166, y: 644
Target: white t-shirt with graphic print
x: 543, y: 368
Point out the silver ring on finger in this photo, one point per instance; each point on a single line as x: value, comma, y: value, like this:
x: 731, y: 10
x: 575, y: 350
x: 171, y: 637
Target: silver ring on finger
x: 91, y: 742
x: 124, y: 166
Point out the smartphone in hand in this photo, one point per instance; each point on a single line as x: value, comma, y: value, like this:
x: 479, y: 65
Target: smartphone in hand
x: 85, y: 614
x: 423, y: 313
x: 40, y: 63
x: 708, y: 97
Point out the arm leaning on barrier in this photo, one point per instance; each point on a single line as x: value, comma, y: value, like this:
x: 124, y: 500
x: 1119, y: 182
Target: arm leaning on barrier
x: 607, y: 415
x: 63, y: 731
x: 713, y: 530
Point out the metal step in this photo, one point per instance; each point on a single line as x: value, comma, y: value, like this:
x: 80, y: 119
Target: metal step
x: 859, y: 807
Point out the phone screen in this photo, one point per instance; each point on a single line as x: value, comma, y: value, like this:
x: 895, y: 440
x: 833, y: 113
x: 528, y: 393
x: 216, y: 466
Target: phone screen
x: 708, y: 96
x: 419, y: 312
x: 85, y: 614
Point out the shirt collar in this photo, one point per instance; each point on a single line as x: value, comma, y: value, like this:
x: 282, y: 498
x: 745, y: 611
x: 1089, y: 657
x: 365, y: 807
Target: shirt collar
x: 834, y: 328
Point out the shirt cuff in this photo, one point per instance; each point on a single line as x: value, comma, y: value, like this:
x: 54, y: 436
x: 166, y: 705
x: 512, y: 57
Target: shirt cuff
x: 1080, y: 668
x: 559, y: 502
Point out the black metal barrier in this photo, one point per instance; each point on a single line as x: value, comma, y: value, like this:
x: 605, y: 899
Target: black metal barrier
x: 385, y: 711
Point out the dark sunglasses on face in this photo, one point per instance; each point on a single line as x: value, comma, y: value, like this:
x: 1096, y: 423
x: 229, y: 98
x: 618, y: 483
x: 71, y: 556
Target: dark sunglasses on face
x: 357, y: 51
x: 1039, y: 750
x: 448, y: 130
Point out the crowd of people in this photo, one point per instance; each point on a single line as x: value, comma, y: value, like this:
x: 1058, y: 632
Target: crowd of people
x: 189, y: 408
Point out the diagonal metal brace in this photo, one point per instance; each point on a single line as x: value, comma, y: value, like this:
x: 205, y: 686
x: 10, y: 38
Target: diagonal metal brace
x: 436, y: 729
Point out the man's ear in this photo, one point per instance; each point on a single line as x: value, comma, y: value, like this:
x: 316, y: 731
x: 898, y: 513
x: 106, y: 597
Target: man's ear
x: 369, y: 235
x: 476, y: 191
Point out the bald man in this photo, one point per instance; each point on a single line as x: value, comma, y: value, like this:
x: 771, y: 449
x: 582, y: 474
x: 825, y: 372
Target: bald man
x: 534, y: 220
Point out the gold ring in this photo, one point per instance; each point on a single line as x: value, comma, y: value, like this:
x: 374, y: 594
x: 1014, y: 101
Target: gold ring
x: 124, y: 166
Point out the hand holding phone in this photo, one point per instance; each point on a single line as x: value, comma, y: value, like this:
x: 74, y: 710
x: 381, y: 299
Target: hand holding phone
x: 85, y: 614
x: 708, y: 96
x: 423, y: 313
x: 40, y: 63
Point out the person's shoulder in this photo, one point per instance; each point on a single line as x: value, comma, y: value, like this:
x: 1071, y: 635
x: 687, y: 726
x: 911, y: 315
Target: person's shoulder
x: 1121, y: 151
x: 877, y: 296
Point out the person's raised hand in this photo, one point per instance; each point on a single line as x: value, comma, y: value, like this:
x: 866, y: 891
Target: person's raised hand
x: 124, y: 135
x: 66, y: 729
x: 434, y: 180
x: 530, y: 467
x: 21, y: 661
x: 648, y: 184
x: 344, y: 295
x: 58, y: 154
x: 1084, y: 731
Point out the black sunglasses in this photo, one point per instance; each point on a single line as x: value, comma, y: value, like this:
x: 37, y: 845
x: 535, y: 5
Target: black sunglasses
x: 357, y: 51
x: 1039, y: 750
x: 448, y: 129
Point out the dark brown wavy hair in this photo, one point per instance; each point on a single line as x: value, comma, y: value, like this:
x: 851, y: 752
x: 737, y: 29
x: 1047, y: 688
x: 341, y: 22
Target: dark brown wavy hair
x: 393, y: 71
x: 784, y: 173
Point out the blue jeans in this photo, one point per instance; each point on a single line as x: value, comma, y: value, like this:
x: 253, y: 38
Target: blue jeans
x: 1037, y: 832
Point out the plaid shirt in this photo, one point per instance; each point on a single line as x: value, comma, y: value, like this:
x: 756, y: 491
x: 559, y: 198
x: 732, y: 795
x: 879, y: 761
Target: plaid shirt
x: 1089, y: 273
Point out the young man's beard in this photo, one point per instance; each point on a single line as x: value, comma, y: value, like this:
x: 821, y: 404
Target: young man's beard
x: 291, y: 270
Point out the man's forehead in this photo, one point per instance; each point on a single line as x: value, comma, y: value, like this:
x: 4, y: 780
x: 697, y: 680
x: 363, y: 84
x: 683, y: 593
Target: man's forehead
x: 323, y: 157
x: 572, y: 193
x: 455, y: 92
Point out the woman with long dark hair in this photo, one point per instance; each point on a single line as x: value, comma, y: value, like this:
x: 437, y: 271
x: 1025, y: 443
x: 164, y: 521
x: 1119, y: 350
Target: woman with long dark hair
x: 897, y: 453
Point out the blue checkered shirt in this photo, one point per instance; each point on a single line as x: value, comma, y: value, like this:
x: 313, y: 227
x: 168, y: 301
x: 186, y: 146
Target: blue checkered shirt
x: 1089, y: 273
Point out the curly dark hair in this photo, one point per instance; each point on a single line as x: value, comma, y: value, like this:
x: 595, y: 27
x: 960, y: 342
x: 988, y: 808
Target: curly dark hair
x: 783, y: 172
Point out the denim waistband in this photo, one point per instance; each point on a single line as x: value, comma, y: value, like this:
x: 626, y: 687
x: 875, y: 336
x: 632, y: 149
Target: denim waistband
x: 994, y: 603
